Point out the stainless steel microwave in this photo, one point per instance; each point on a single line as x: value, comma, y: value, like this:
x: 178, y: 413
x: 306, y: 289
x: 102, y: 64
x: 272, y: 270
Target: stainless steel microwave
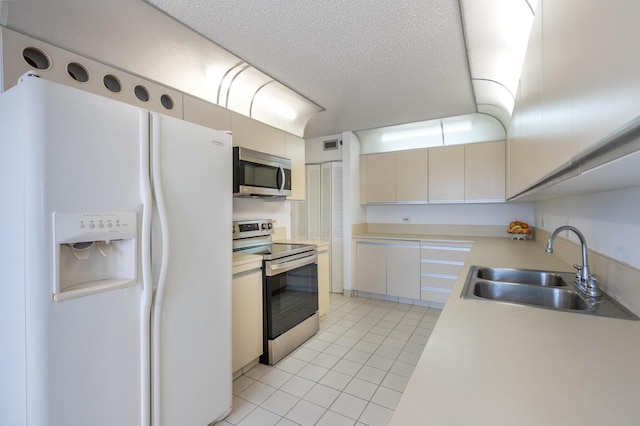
x: 257, y: 174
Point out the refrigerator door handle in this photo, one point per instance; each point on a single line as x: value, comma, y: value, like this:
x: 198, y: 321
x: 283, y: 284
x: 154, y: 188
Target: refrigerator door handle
x: 147, y: 284
x: 158, y: 192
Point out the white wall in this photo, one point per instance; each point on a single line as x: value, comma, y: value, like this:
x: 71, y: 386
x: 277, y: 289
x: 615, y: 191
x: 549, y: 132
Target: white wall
x: 315, y: 153
x: 610, y: 222
x: 256, y: 208
x: 452, y: 214
x: 353, y: 212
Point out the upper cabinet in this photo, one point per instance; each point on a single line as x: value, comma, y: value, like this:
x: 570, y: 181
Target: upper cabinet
x: 258, y: 136
x: 394, y: 177
x: 252, y: 134
x: 412, y: 168
x: 206, y: 114
x: 294, y: 150
x: 381, y: 177
x: 473, y: 173
x: 484, y: 172
x: 577, y: 86
x: 446, y: 174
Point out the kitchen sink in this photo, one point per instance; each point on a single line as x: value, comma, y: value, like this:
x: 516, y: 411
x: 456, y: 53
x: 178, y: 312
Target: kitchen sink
x: 541, y: 289
x: 550, y: 297
x: 525, y: 276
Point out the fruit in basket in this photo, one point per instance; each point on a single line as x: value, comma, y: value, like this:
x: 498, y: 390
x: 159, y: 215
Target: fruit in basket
x: 518, y: 227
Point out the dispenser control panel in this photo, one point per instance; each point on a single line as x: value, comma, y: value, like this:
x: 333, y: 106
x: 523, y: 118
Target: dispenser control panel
x: 92, y: 226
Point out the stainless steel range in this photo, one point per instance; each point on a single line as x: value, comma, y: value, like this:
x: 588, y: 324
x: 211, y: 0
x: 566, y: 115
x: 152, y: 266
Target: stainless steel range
x: 290, y: 287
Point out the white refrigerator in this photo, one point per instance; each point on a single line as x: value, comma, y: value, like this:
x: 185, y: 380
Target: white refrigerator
x: 116, y: 263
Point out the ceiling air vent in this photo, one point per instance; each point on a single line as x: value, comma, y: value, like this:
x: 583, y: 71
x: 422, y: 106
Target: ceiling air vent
x: 331, y: 144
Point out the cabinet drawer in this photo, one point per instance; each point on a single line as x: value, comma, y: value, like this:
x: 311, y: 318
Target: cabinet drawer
x: 434, y: 295
x: 442, y: 282
x: 440, y: 268
x: 452, y: 254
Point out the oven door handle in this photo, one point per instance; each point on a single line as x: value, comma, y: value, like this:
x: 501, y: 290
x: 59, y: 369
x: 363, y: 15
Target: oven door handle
x: 272, y: 269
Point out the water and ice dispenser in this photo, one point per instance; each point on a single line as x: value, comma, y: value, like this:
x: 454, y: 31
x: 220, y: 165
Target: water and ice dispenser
x: 93, y: 252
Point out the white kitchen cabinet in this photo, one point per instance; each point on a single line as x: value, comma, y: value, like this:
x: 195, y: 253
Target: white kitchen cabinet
x: 440, y: 265
x: 381, y: 177
x: 484, y: 172
x: 473, y: 173
x: 371, y: 266
x: 412, y: 176
x: 388, y: 267
x: 246, y: 305
x: 577, y: 86
x: 399, y: 176
x: 324, y: 279
x: 446, y: 174
x: 294, y: 150
x: 403, y: 269
x: 206, y: 114
x: 252, y: 134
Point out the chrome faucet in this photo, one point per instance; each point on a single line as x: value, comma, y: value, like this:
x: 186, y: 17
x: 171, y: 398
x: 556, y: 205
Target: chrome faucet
x: 586, y: 282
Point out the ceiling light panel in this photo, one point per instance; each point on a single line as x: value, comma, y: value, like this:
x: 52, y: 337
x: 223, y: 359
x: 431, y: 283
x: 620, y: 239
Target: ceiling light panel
x: 496, y: 33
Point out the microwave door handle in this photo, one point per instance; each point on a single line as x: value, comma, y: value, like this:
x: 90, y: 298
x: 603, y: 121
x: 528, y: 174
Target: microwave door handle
x: 283, y: 177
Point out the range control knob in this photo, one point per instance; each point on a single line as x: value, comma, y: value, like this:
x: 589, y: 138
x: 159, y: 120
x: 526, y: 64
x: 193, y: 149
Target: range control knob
x: 270, y: 225
x: 264, y: 226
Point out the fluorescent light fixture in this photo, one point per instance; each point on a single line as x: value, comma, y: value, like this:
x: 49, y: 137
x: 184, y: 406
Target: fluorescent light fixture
x: 497, y: 33
x: 468, y: 128
x: 411, y: 134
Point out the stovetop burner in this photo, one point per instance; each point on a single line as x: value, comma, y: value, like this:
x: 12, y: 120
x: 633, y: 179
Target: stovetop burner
x: 254, y: 237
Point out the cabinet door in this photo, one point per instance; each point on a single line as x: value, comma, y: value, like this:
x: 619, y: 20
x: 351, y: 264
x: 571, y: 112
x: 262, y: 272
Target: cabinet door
x: 294, y: 147
x: 484, y: 172
x: 412, y: 175
x: 446, y: 174
x: 246, y: 318
x: 258, y: 136
x: 371, y: 267
x: 206, y: 114
x: 324, y: 284
x: 403, y: 269
x: 381, y: 177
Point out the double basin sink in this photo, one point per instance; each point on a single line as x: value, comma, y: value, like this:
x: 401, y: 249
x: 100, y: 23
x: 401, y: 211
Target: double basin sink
x: 543, y: 289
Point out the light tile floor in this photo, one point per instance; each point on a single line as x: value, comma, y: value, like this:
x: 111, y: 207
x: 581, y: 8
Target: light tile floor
x: 353, y: 372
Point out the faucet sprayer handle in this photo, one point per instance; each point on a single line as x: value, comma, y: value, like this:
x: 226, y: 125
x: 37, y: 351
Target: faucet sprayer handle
x: 578, y: 267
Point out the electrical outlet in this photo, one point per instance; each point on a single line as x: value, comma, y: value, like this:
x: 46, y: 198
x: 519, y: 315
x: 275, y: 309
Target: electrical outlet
x: 405, y: 220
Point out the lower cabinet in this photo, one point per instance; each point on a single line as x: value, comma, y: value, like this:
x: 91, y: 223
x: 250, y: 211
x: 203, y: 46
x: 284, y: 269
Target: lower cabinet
x: 246, y: 317
x: 371, y: 266
x: 388, y: 267
x: 440, y: 265
x: 403, y: 269
x: 418, y: 270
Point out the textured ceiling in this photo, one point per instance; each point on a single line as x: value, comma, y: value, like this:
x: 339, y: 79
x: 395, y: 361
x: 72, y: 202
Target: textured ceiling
x: 368, y: 64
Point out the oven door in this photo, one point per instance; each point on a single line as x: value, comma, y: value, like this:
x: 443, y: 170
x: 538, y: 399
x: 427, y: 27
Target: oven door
x: 291, y: 292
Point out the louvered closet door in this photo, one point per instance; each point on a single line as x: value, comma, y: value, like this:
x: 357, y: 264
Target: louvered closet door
x: 332, y: 220
x: 299, y: 220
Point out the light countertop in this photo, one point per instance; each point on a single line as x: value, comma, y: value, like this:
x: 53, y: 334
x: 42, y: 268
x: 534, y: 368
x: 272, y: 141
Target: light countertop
x: 317, y: 243
x: 498, y: 364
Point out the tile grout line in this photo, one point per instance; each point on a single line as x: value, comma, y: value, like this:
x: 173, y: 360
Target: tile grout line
x: 393, y: 313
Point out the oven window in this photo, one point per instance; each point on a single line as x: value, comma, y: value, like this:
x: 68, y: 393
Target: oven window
x: 291, y: 297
